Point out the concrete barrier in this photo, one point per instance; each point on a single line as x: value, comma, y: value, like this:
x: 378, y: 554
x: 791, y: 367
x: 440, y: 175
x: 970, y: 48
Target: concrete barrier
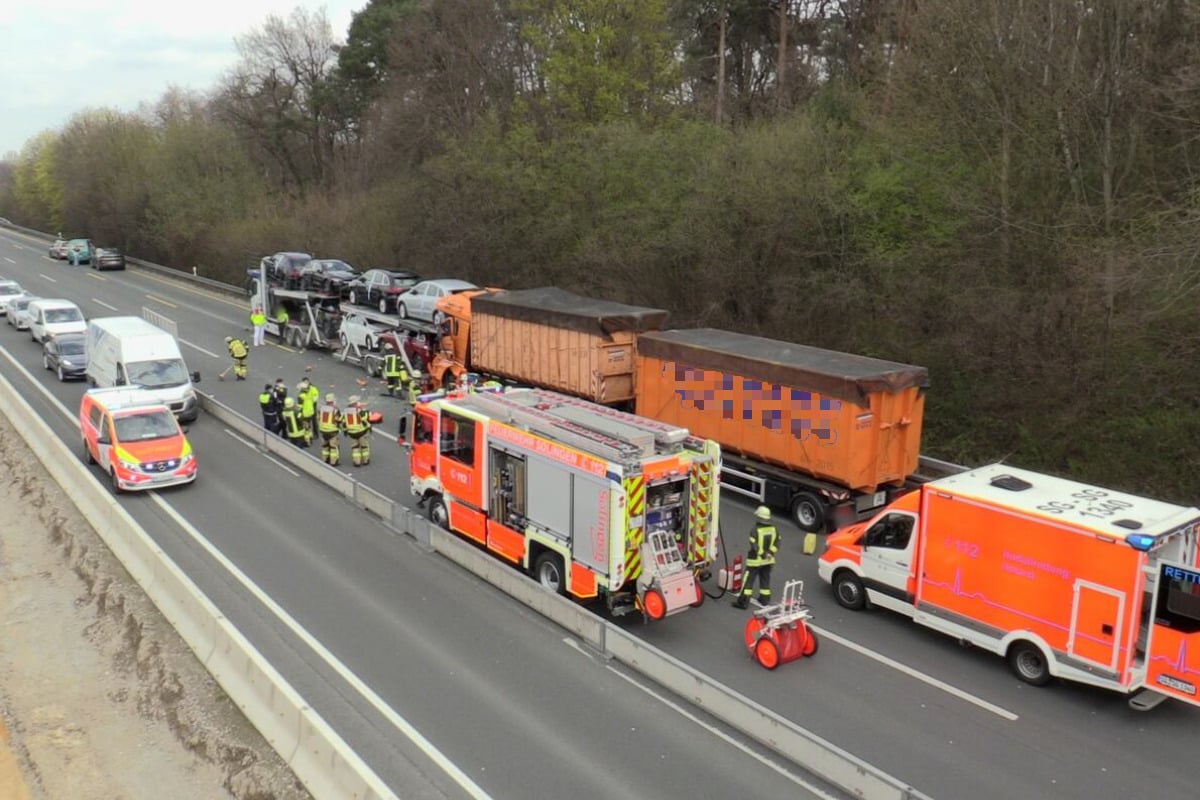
x: 322, y: 761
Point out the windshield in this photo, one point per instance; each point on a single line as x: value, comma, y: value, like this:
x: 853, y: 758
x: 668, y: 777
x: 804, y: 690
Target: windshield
x: 9, y: 288
x: 63, y: 315
x: 70, y: 348
x: 160, y: 374
x: 139, y: 427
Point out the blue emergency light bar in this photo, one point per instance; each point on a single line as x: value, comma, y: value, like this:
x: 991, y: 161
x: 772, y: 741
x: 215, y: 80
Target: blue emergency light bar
x: 1140, y: 541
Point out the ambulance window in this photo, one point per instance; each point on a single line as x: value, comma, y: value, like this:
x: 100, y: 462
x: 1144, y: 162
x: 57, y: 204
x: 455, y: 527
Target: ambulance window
x: 892, y: 532
x: 95, y: 416
x: 458, y: 439
x: 1179, y: 599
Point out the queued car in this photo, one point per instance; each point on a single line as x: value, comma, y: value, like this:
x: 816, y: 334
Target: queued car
x: 53, y: 317
x: 16, y: 310
x: 108, y: 258
x: 420, y: 302
x: 8, y: 289
x: 66, y: 355
x: 58, y: 250
x: 357, y: 330
x: 329, y: 275
x: 80, y: 251
x: 380, y: 288
x: 135, y: 439
x: 285, y: 268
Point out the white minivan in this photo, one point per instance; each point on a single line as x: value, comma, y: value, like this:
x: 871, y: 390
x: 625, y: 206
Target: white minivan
x: 49, y: 317
x: 129, y: 351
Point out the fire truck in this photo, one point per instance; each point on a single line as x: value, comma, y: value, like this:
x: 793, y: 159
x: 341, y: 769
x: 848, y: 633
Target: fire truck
x: 590, y: 501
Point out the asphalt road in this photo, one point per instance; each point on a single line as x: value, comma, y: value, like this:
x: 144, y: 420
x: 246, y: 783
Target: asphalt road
x: 951, y: 721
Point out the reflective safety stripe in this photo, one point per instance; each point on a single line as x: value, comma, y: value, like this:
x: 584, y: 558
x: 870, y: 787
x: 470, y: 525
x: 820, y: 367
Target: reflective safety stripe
x: 294, y: 428
x: 764, y: 543
x: 329, y: 419
x: 635, y: 522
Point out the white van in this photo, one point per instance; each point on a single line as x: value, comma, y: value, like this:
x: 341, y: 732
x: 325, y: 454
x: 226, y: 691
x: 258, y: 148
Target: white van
x: 51, y: 317
x: 129, y: 351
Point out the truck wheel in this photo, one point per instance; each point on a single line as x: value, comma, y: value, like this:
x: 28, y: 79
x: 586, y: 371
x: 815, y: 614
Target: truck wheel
x: 548, y: 571
x: 1029, y: 663
x: 848, y: 590
x: 808, y: 512
x: 438, y: 514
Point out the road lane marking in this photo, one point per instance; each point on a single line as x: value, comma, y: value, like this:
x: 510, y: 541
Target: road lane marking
x: 267, y: 456
x: 961, y: 694
x: 102, y: 303
x: 96, y: 277
x: 816, y: 791
x: 47, y: 277
x: 164, y: 302
x: 427, y: 747
x: 9, y: 260
x: 201, y: 349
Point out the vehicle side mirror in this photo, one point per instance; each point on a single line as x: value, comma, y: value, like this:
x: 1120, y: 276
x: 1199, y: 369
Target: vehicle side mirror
x: 184, y: 428
x: 195, y: 377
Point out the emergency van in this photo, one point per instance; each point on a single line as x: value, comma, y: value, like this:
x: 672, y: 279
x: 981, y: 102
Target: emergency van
x: 1062, y: 579
x: 589, y: 500
x: 130, y: 351
x: 135, y: 439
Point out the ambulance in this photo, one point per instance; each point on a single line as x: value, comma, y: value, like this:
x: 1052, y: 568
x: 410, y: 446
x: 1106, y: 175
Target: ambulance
x: 591, y: 501
x: 135, y: 439
x: 1062, y: 579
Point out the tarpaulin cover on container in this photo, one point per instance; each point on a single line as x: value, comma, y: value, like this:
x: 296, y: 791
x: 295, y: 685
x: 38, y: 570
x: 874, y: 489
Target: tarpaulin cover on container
x: 847, y: 377
x: 559, y: 308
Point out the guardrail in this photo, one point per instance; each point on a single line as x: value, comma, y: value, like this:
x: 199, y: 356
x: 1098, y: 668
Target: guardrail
x: 833, y: 764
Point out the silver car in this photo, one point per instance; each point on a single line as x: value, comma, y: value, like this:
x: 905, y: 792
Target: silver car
x: 420, y: 302
x: 9, y: 289
x: 16, y: 311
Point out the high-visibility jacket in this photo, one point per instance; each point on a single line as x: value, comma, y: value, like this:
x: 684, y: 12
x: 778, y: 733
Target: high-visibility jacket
x: 238, y: 349
x: 268, y: 402
x: 330, y: 420
x: 292, y: 426
x: 393, y: 367
x: 308, y: 401
x: 258, y: 318
x: 355, y: 420
x: 281, y: 317
x: 764, y: 543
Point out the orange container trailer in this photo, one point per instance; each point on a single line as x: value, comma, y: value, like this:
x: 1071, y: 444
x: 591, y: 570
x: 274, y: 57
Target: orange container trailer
x: 557, y: 340
x: 813, y: 431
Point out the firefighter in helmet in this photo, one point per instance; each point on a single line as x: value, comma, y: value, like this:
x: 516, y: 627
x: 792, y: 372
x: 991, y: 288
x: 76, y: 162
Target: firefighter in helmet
x: 764, y: 544
x: 357, y: 425
x: 329, y: 425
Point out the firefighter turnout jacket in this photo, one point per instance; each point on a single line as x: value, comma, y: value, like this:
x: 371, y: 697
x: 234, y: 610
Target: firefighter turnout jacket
x: 764, y: 544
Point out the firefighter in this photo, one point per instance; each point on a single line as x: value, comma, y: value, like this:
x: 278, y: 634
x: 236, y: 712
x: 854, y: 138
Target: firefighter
x: 329, y: 425
x: 415, y: 385
x: 293, y: 428
x: 764, y: 544
x: 238, y: 351
x: 358, y: 428
x: 307, y: 396
x: 270, y: 409
x: 394, y: 373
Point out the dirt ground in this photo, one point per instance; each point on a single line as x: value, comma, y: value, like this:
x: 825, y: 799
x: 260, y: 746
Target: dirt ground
x: 99, y: 697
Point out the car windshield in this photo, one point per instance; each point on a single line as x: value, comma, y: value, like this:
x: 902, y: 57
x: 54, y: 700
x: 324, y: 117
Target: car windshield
x: 23, y: 304
x: 63, y: 315
x: 161, y: 374
x: 70, y: 348
x: 336, y: 266
x: 140, y: 427
x: 295, y: 261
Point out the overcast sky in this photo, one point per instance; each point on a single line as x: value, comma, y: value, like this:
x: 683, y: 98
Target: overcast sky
x: 58, y: 57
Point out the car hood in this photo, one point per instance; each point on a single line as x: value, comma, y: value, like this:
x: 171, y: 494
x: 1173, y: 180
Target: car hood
x: 157, y: 449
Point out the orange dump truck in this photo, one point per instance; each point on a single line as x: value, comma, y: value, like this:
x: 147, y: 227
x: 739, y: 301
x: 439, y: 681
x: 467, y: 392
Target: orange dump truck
x: 549, y: 338
x: 823, y: 435
x: 1062, y: 579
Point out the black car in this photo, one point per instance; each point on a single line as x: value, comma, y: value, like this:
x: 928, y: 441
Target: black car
x: 284, y: 268
x: 66, y: 355
x: 327, y: 275
x: 380, y: 288
x: 108, y: 258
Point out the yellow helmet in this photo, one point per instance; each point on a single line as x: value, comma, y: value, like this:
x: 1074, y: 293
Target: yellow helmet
x: 762, y: 512
x: 289, y: 402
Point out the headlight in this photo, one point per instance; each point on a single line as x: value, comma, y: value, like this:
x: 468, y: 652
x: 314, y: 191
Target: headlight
x: 132, y: 466
x: 183, y: 462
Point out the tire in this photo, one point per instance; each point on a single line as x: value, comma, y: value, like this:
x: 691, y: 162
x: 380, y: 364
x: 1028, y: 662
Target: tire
x: 62, y: 378
x: 808, y: 512
x: 1029, y: 663
x: 87, y: 455
x: 766, y: 653
x: 353, y: 297
x: 654, y: 604
x: 401, y: 311
x: 116, y: 486
x: 383, y: 305
x: 45, y: 361
x: 438, y: 318
x: 345, y: 340
x: 438, y: 514
x: 548, y: 571
x: 699, y: 595
x: 848, y: 590
x: 811, y: 645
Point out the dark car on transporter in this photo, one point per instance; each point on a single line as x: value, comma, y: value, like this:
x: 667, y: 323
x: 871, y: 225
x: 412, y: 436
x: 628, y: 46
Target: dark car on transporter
x: 284, y: 269
x: 380, y: 288
x: 329, y: 275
